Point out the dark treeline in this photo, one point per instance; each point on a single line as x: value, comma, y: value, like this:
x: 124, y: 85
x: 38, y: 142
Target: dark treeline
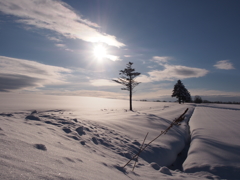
x: 221, y: 102
x: 203, y: 101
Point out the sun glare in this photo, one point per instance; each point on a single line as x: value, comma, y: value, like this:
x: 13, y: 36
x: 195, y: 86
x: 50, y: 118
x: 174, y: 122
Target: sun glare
x: 100, y: 52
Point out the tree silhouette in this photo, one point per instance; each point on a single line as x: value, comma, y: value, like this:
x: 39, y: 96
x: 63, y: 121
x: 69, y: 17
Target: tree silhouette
x: 181, y: 93
x: 126, y: 78
x: 198, y: 99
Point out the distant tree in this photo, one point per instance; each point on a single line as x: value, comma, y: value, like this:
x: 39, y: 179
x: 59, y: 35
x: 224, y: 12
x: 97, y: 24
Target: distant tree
x: 126, y: 78
x: 206, y: 101
x: 181, y: 93
x: 198, y: 99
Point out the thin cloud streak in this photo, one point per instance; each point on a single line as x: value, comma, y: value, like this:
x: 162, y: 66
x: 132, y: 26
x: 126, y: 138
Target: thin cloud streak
x: 87, y: 93
x: 161, y: 60
x: 60, y: 45
x: 113, y: 58
x: 25, y: 73
x: 173, y: 72
x: 103, y: 82
x: 165, y: 93
x: 15, y: 82
x: 58, y: 17
x: 224, y: 64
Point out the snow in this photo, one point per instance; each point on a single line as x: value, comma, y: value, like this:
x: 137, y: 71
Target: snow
x: 215, y: 141
x: 66, y: 137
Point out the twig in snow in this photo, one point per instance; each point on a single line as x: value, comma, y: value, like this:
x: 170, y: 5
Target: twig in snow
x: 139, y: 151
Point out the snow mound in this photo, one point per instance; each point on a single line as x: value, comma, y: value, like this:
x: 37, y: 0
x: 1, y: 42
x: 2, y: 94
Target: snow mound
x: 165, y: 170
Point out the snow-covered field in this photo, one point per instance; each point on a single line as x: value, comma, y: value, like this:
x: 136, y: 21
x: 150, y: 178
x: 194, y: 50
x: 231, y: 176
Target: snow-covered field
x: 215, y: 141
x: 57, y: 137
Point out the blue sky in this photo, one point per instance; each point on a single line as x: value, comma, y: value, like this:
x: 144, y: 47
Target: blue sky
x: 49, y: 47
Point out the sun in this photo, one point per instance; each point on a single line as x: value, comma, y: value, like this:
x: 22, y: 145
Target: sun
x: 100, y: 52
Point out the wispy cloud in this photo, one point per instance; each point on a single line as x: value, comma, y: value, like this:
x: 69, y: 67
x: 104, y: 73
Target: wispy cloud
x: 88, y: 93
x: 161, y: 59
x: 224, y: 64
x: 173, y: 72
x: 54, y: 39
x: 103, y: 82
x: 113, y: 58
x: 170, y: 72
x: 205, y: 92
x: 20, y: 73
x: 57, y: 16
x: 213, y: 95
x: 60, y: 45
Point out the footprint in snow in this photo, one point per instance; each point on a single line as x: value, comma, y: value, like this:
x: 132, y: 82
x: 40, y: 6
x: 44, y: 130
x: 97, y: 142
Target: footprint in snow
x: 75, y: 120
x: 74, y: 137
x: 34, y: 112
x: 80, y: 130
x: 8, y: 115
x: 50, y: 122
x: 33, y: 117
x: 95, y: 140
x: 136, y: 143
x: 69, y: 159
x: 40, y: 147
x: 66, y: 130
x: 82, y: 142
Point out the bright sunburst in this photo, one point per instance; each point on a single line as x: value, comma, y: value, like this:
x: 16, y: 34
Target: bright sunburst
x: 100, y: 52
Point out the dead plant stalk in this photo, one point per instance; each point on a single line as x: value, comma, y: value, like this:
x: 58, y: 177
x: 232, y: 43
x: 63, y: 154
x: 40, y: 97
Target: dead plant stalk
x: 175, y: 122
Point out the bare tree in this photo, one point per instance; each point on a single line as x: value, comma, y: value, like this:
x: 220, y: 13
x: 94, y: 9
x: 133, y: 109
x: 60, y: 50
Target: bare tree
x: 126, y: 78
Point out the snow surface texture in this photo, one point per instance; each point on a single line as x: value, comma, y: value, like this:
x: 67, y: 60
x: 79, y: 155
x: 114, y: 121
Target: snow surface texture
x: 56, y: 137
x: 215, y: 141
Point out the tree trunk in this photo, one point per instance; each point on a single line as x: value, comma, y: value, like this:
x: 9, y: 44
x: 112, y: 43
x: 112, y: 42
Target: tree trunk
x: 130, y: 98
x: 130, y: 93
x: 179, y: 100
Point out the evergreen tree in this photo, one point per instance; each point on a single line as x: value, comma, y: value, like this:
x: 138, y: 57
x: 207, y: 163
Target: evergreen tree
x: 181, y: 93
x: 126, y: 78
x: 198, y: 99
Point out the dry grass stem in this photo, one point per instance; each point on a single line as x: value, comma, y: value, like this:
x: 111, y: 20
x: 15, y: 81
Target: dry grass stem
x: 175, y: 122
x: 139, y: 151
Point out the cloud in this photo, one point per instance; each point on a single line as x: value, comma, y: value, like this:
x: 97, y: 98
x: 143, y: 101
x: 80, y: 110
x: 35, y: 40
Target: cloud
x: 150, y: 67
x: 177, y: 72
x: 57, y: 16
x: 60, y: 45
x: 144, y: 79
x: 127, y: 56
x: 70, y: 50
x: 205, y: 92
x: 224, y: 64
x: 54, y: 39
x: 113, y: 58
x: 161, y: 59
x: 87, y: 93
x: 103, y: 82
x: 20, y: 73
x: 173, y: 72
x: 13, y: 82
x: 212, y: 95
